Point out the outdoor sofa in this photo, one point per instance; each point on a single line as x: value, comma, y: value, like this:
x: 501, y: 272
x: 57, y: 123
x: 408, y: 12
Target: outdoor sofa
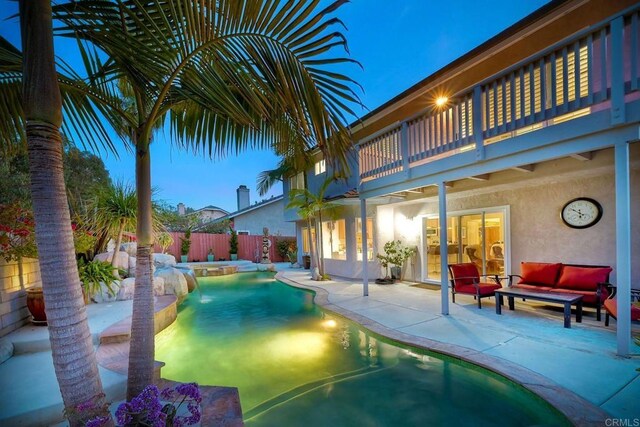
x: 590, y: 281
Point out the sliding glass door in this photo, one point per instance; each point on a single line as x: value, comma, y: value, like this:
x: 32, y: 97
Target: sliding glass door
x: 477, y: 237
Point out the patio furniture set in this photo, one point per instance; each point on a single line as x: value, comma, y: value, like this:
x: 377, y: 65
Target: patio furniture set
x: 566, y: 284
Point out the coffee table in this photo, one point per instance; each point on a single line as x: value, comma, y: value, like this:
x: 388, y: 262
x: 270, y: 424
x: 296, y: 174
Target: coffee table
x: 566, y: 299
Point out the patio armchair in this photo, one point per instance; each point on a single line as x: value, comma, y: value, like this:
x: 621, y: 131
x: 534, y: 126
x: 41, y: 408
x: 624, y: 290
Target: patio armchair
x: 465, y: 279
x: 611, y: 306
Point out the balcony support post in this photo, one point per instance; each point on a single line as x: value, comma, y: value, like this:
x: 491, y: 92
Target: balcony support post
x: 623, y: 246
x: 444, y: 249
x: 477, y: 122
x: 617, y: 72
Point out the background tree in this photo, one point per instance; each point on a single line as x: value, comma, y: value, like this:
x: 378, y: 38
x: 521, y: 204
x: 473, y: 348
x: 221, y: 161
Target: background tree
x: 74, y: 359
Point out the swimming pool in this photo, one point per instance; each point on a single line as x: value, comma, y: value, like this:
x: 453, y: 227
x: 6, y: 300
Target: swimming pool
x: 294, y: 365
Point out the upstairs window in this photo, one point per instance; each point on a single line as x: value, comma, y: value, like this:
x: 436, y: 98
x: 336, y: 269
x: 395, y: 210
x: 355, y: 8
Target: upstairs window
x: 321, y: 167
x: 296, y: 182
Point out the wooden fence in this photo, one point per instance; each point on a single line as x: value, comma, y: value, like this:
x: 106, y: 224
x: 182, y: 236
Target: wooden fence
x: 249, y: 247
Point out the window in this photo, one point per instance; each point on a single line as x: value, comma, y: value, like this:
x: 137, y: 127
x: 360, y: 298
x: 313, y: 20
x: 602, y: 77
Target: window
x: 305, y: 239
x: 334, y: 239
x: 296, y: 182
x: 321, y: 167
x: 369, y: 238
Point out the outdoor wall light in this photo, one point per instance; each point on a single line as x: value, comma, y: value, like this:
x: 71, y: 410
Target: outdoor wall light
x: 441, y: 101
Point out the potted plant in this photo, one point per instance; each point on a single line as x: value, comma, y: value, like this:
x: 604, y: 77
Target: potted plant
x: 233, y: 245
x: 396, y: 254
x: 93, y: 275
x: 210, y: 255
x: 185, y: 245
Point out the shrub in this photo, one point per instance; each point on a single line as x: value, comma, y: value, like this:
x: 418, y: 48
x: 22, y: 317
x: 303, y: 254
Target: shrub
x: 94, y: 273
x: 185, y: 242
x: 233, y: 242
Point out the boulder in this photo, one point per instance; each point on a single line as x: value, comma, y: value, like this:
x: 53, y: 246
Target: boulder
x: 132, y: 266
x: 315, y: 274
x: 104, y: 295
x: 190, y: 277
x: 163, y: 260
x: 122, y: 259
x: 174, y: 282
x: 130, y: 247
x: 127, y: 288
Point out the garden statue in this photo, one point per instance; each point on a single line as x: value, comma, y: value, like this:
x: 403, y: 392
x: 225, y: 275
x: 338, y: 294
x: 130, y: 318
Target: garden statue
x: 266, y: 244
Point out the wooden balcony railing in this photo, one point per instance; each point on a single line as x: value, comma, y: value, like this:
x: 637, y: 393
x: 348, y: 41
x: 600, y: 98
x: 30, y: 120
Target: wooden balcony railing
x: 562, y: 81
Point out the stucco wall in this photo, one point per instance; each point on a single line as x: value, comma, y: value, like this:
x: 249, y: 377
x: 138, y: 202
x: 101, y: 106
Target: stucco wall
x: 537, y: 232
x: 271, y: 216
x: 13, y: 298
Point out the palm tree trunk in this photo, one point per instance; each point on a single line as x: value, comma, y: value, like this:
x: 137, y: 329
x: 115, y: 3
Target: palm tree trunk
x: 114, y: 259
x: 321, y: 250
x: 73, y: 355
x: 312, y: 246
x: 142, y: 349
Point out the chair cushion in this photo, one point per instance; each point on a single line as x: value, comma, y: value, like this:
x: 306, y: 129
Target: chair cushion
x: 588, y: 297
x: 583, y: 278
x: 533, y: 288
x: 485, y: 289
x: 539, y: 273
x: 464, y: 274
x: 611, y: 305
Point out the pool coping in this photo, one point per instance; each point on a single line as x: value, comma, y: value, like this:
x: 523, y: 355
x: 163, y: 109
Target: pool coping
x: 578, y: 410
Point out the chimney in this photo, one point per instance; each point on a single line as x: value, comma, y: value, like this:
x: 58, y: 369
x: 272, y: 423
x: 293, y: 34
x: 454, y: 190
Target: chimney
x: 243, y: 197
x: 181, y: 209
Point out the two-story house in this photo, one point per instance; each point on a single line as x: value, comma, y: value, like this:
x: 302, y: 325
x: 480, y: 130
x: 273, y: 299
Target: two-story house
x: 479, y: 161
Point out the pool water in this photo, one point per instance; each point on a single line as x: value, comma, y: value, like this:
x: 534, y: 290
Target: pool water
x: 294, y: 364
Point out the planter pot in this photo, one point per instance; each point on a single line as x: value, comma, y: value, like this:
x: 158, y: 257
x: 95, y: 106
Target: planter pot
x: 210, y: 257
x: 306, y: 261
x: 35, y: 304
x: 183, y: 258
x: 384, y: 281
x: 234, y: 257
x: 396, y: 272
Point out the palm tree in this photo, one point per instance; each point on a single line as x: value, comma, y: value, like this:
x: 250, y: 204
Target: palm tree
x: 72, y: 347
x: 114, y: 210
x: 311, y: 206
x: 226, y: 75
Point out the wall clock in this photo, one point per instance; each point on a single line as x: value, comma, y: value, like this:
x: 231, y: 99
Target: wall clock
x: 582, y: 212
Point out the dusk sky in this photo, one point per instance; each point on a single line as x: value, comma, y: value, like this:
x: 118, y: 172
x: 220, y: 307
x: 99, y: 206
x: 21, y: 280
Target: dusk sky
x: 398, y: 43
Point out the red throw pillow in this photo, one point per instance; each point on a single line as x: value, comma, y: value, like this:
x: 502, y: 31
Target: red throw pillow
x: 583, y: 278
x: 539, y: 273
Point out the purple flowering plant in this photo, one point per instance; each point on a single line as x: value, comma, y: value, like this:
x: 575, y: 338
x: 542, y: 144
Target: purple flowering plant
x: 150, y: 408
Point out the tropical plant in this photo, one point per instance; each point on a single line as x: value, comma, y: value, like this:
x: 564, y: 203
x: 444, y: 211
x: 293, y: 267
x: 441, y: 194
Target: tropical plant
x: 311, y: 206
x: 185, y: 242
x: 395, y: 253
x: 164, y: 240
x: 287, y: 249
x: 96, y: 273
x: 233, y: 242
x: 226, y: 75
x: 40, y: 112
x: 113, y: 211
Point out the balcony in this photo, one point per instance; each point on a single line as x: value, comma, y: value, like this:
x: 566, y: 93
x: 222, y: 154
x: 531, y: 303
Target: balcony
x: 587, y: 73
